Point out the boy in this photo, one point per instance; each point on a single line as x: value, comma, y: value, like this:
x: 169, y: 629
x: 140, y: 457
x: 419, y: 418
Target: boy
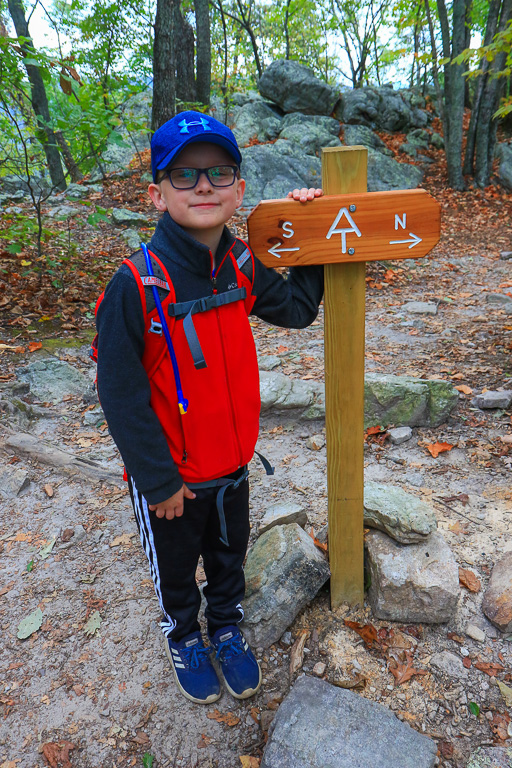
x: 184, y: 410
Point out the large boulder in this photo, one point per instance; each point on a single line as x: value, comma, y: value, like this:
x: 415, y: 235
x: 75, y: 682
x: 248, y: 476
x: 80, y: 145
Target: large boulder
x: 497, y: 602
x: 295, y: 88
x: 50, y: 380
x: 310, y: 132
x: 414, y: 582
x: 380, y: 108
x: 283, y: 573
x: 386, y: 173
x: 322, y: 726
x: 405, y: 400
x: 257, y: 121
x: 364, y: 136
x: 272, y: 170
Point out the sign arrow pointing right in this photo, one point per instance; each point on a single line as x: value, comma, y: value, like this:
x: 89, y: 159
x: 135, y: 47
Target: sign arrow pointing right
x: 414, y: 240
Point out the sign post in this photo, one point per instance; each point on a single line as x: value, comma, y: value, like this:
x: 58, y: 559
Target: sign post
x: 343, y: 230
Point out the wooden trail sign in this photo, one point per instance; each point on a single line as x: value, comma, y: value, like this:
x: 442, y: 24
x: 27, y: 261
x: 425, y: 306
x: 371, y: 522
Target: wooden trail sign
x: 357, y: 227
x: 343, y: 230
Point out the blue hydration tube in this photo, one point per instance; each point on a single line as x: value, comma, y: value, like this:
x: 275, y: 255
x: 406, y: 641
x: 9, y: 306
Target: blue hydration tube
x: 182, y: 402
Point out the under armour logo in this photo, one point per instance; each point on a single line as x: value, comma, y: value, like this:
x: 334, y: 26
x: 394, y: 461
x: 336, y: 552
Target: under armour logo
x: 185, y: 126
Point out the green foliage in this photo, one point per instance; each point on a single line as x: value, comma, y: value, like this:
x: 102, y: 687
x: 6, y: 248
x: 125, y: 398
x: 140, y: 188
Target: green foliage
x: 147, y: 760
x: 474, y: 708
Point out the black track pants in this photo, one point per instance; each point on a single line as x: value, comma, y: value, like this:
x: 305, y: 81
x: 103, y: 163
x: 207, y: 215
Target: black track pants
x: 173, y: 548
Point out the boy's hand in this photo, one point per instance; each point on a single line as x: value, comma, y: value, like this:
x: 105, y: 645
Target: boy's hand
x: 305, y: 194
x: 173, y: 506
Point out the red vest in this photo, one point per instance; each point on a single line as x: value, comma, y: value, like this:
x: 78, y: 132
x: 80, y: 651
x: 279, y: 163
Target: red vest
x: 218, y: 433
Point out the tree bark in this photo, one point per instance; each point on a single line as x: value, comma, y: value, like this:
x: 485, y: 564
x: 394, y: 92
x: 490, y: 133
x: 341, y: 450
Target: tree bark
x: 39, y: 98
x: 184, y: 55
x: 203, y: 51
x: 164, y: 64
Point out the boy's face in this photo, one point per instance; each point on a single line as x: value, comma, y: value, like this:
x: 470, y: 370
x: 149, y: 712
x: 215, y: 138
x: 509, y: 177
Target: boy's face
x: 203, y: 210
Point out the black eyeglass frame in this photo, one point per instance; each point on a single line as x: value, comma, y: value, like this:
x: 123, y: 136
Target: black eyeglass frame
x: 199, y: 171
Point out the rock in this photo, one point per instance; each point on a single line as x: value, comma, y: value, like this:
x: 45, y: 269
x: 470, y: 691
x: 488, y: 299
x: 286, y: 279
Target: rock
x: 380, y: 108
x: 475, y: 633
x: 256, y: 120
x: 497, y: 602
x: 310, y: 132
x: 283, y: 514
x: 94, y: 417
x: 506, y: 255
x: 401, y: 515
x: 493, y: 399
x: 362, y: 135
x: 399, y: 435
x: 51, y: 380
x: 272, y: 170
x: 386, y: 173
x: 123, y: 216
x: 75, y: 192
x: 413, y: 583
x: 498, y: 298
x: 321, y: 726
x: 419, y: 138
x: 133, y: 239
x: 279, y: 392
x: 450, y: 664
x: 64, y: 212
x: 405, y: 400
x: 283, y: 573
x: 12, y: 481
x: 295, y: 88
x: 491, y: 757
x: 420, y: 308
x: 269, y: 362
x: 315, y: 442
x: 504, y: 154
x: 437, y: 140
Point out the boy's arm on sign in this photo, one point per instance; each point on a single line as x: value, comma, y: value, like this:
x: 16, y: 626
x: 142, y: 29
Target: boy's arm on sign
x: 125, y: 394
x: 292, y: 302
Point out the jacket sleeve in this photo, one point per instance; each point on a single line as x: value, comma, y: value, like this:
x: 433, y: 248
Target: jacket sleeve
x: 125, y: 393
x: 291, y: 302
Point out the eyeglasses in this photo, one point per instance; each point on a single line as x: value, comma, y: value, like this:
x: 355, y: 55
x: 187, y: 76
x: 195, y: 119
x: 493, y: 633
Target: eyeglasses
x: 217, y: 175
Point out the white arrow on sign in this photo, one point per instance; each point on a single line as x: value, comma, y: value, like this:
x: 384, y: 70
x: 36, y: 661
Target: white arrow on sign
x: 276, y: 250
x: 414, y: 240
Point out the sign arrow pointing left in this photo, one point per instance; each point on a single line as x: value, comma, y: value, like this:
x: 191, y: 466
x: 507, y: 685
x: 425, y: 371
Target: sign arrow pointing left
x: 276, y: 250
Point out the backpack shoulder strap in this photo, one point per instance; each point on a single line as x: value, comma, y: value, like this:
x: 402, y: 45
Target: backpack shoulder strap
x: 243, y: 260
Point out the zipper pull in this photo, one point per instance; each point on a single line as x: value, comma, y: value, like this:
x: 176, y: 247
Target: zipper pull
x: 214, y: 283
x: 184, y: 458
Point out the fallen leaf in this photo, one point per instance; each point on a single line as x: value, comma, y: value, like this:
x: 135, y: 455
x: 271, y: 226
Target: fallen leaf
x: 34, y: 345
x: 436, y: 448
x: 320, y: 544
x: 506, y: 692
x: 404, y: 671
x: 464, y: 389
x: 229, y: 718
x: 45, y: 551
x: 30, y: 624
x: 6, y: 589
x: 489, y: 667
x: 123, y: 538
x: 462, y: 497
x: 445, y: 749
x: 366, y: 631
x: 469, y: 580
x: 297, y: 652
x: 67, y: 534
x: 57, y: 753
x: 466, y: 662
x: 248, y: 761
x: 48, y: 490
x: 458, y: 638
x: 458, y: 528
x: 93, y: 623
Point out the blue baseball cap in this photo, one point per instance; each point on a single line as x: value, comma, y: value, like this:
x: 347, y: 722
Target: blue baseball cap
x: 186, y: 128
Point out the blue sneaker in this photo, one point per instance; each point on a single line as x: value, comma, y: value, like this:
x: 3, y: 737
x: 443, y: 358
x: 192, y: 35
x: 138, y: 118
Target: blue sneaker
x: 241, y: 671
x: 193, y: 670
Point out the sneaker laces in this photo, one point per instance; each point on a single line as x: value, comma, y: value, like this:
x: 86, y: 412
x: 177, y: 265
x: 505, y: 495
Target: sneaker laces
x: 195, y: 656
x: 230, y: 648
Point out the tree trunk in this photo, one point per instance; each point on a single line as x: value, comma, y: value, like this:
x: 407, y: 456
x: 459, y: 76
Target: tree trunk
x: 185, y: 78
x: 69, y: 161
x: 39, y: 98
x: 453, y: 89
x: 164, y: 64
x: 485, y: 138
x: 203, y: 51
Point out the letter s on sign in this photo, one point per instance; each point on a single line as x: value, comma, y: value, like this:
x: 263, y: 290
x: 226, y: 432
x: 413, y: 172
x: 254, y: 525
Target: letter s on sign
x: 288, y: 229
